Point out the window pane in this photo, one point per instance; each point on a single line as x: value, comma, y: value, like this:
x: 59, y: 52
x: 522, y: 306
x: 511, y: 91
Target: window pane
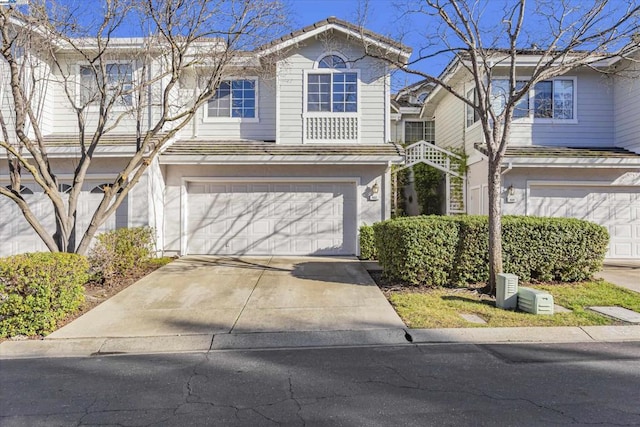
x: 563, y: 99
x: 543, y: 100
x: 345, y: 95
x: 332, y: 61
x: 318, y: 92
x: 522, y: 106
x: 471, y: 113
x: 499, y: 95
x: 235, y: 98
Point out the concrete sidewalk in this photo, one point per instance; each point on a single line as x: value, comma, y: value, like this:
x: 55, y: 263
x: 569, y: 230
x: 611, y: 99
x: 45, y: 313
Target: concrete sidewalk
x: 84, y: 347
x: 200, y: 304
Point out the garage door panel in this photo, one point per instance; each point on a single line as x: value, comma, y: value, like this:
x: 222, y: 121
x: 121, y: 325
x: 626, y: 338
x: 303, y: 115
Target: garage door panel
x: 272, y: 218
x: 616, y: 208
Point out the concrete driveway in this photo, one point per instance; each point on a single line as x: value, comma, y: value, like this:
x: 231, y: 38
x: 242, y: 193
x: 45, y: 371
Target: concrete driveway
x: 213, y: 295
x: 622, y: 272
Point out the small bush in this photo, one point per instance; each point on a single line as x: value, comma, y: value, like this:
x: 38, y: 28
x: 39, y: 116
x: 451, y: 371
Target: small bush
x: 417, y: 250
x: 454, y: 250
x: 39, y: 289
x: 367, y: 244
x: 120, y: 252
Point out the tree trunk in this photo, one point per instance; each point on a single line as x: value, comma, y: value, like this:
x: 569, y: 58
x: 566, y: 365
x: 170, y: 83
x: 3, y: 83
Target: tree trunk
x: 495, y: 225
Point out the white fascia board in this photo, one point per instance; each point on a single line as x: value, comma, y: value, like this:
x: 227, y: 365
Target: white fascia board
x: 282, y: 160
x: 74, y: 152
x: 410, y: 110
x: 573, y: 162
x: 282, y: 45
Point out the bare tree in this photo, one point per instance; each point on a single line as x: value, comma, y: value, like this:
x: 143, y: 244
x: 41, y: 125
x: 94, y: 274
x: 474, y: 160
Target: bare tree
x: 486, y: 39
x: 154, y: 82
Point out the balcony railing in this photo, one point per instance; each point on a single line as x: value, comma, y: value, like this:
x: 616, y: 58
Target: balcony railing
x: 331, y: 128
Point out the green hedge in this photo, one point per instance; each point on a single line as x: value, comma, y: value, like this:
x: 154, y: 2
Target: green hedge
x: 119, y: 252
x: 367, y: 244
x: 39, y: 289
x: 442, y: 251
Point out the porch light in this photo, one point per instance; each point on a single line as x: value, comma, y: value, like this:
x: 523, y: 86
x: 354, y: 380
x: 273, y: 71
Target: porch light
x: 375, y: 189
x: 511, y: 194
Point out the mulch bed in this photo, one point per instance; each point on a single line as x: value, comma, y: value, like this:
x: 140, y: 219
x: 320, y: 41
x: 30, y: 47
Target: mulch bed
x: 389, y: 287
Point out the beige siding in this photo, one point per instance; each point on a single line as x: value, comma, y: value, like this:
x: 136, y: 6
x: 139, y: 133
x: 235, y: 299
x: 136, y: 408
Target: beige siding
x: 372, y: 93
x: 627, y: 110
x: 233, y: 129
x: 450, y: 122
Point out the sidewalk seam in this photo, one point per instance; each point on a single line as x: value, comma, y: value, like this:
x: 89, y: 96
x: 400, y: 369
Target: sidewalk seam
x: 235, y: 322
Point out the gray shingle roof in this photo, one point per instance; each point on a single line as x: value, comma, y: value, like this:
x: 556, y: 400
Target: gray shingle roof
x: 554, y: 152
x: 340, y: 23
x: 235, y: 148
x: 73, y: 140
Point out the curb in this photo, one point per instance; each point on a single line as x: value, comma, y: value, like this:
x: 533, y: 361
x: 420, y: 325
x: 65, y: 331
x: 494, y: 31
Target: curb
x: 87, y: 347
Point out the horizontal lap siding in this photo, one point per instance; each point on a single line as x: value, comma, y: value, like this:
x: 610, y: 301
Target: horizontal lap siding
x: 595, y: 118
x: 627, y: 111
x: 371, y: 89
x: 263, y: 130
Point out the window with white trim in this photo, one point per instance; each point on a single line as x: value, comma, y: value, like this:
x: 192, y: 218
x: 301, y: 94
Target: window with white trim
x: 419, y: 131
x: 470, y: 112
x: 554, y: 99
x: 119, y: 82
x: 500, y: 95
x: 332, y: 88
x: 548, y: 99
x: 234, y: 99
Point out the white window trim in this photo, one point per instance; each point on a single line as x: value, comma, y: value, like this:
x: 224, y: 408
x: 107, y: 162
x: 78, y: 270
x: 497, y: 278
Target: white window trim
x: 538, y: 120
x: 330, y: 113
x: 94, y: 106
x: 316, y: 63
x: 404, y: 127
x: 256, y: 119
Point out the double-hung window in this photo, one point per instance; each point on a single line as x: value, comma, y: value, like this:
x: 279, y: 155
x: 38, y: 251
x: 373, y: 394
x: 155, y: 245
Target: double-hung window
x: 471, y: 115
x: 500, y: 95
x: 332, y: 88
x: 554, y: 99
x: 234, y: 99
x: 419, y: 131
x: 548, y: 99
x: 117, y: 80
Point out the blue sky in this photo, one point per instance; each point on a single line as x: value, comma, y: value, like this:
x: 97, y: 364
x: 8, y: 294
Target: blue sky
x: 382, y: 17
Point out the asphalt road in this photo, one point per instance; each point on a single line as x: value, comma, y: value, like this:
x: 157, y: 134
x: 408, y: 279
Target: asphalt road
x: 391, y: 386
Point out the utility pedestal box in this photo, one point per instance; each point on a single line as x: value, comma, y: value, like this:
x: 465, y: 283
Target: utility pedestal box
x: 535, y: 301
x: 506, y: 290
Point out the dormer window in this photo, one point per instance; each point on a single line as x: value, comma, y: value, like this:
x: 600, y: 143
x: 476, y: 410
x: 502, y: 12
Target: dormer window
x: 332, y: 87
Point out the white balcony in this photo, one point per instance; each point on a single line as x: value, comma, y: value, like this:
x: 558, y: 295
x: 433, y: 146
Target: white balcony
x: 331, y: 128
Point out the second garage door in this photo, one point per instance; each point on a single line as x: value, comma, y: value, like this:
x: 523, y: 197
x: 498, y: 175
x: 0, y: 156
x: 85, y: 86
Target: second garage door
x: 272, y: 218
x: 617, y: 208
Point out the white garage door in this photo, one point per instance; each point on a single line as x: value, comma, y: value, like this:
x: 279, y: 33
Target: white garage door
x: 17, y: 236
x: 617, y: 208
x: 272, y: 218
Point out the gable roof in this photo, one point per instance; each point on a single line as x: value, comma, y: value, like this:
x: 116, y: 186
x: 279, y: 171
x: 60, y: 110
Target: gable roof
x: 333, y: 23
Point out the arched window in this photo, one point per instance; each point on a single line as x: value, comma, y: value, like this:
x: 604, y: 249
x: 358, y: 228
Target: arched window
x: 64, y: 188
x: 332, y: 87
x: 332, y: 61
x: 422, y: 97
x: 100, y: 188
x: 23, y: 189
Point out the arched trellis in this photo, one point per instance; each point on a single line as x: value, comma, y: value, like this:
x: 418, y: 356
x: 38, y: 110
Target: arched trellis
x: 447, y: 162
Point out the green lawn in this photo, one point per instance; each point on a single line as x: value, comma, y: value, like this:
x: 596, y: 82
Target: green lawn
x: 441, y: 308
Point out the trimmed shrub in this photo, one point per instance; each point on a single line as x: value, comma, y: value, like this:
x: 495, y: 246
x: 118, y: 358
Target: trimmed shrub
x: 534, y: 248
x: 417, y: 250
x: 120, y: 252
x: 367, y: 244
x: 39, y: 289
